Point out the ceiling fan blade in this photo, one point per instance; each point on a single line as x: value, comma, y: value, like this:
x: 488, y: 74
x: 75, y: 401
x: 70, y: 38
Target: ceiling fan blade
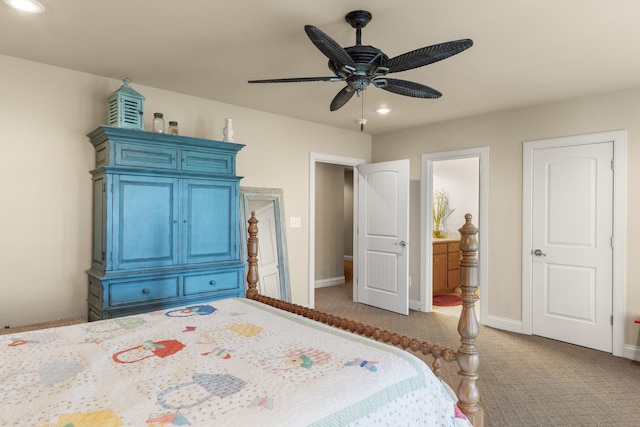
x: 329, y: 47
x: 427, y: 55
x: 341, y: 98
x: 403, y: 87
x: 298, y: 79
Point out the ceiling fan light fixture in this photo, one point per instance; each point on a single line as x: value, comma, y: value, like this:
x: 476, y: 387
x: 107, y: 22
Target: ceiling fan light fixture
x: 28, y: 6
x: 384, y: 110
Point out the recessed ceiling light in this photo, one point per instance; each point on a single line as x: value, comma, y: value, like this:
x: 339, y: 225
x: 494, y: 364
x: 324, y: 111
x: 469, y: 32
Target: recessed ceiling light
x: 383, y: 110
x: 29, y: 6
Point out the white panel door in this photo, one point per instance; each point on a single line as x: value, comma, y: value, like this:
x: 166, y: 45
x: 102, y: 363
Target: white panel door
x: 382, y: 257
x: 572, y: 244
x: 268, y: 273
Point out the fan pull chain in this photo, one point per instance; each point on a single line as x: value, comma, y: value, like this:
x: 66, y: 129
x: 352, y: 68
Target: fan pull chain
x: 362, y: 112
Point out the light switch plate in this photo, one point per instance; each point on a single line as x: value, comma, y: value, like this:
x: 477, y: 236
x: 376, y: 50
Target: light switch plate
x: 295, y: 222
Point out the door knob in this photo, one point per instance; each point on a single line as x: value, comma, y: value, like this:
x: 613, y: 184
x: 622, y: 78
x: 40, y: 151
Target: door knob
x: 402, y: 243
x: 538, y: 252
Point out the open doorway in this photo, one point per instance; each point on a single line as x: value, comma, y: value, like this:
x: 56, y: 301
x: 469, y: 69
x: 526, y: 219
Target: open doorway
x: 456, y: 193
x: 327, y: 175
x: 334, y: 247
x: 333, y: 223
x: 468, y: 194
x: 381, y: 255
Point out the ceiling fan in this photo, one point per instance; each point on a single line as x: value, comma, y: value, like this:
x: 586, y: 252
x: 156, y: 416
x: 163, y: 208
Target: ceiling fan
x: 361, y: 65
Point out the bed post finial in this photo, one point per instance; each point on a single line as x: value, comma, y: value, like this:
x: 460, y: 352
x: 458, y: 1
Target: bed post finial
x: 252, y: 252
x: 467, y: 356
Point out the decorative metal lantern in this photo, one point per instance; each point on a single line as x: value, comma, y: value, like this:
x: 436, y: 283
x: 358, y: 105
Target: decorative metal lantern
x: 126, y: 107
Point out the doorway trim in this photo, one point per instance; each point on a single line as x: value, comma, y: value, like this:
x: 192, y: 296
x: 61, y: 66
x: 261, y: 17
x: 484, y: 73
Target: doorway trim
x: 618, y: 137
x: 426, y: 225
x: 336, y: 160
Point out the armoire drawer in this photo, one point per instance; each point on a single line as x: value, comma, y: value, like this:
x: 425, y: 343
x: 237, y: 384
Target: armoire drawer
x: 145, y: 290
x: 213, y: 282
x: 146, y: 156
x: 199, y: 161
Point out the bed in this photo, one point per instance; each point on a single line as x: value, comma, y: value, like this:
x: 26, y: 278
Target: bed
x: 242, y: 361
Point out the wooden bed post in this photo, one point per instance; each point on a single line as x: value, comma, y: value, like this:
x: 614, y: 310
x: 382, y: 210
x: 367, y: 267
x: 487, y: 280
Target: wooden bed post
x: 252, y: 252
x: 467, y: 355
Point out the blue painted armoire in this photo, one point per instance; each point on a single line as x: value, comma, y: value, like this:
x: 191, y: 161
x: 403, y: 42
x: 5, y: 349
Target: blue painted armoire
x: 165, y: 222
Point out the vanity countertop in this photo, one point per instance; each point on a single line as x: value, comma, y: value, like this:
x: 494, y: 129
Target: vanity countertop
x: 446, y: 239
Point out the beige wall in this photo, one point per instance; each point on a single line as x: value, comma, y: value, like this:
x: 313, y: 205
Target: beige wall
x: 504, y: 133
x: 460, y: 179
x: 45, y: 220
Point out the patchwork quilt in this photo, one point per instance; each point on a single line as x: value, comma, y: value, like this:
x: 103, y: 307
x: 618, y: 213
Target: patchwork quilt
x: 233, y: 362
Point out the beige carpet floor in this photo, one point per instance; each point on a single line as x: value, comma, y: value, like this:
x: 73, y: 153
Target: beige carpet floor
x: 524, y: 380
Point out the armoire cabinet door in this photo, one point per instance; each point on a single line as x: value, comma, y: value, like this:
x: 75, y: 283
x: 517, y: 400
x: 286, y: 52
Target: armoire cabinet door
x: 209, y: 221
x: 145, y: 221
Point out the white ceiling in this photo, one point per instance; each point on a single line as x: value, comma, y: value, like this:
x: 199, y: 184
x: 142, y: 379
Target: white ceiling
x: 525, y: 52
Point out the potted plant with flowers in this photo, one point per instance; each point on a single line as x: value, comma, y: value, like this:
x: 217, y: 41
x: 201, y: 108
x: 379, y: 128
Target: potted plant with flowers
x: 440, y: 211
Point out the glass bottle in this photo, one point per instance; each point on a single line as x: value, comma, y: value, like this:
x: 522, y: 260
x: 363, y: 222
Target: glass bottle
x: 158, y: 123
x: 173, y: 128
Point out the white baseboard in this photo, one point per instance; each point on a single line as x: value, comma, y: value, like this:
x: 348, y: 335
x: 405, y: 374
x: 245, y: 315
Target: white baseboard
x: 414, y: 305
x: 632, y: 352
x: 332, y: 281
x: 504, y: 324
x: 348, y: 257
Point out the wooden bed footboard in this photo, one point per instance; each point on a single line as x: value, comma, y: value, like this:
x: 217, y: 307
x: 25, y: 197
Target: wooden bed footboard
x: 467, y: 354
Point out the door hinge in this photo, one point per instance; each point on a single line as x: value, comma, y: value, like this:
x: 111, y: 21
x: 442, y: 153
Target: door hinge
x: 611, y: 320
x: 102, y: 255
x: 613, y: 164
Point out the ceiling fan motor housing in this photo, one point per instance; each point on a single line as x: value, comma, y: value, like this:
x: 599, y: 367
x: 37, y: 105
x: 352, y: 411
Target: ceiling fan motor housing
x: 367, y: 58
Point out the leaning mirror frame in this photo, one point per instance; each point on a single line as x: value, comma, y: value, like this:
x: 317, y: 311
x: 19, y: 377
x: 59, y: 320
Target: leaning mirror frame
x: 276, y: 196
